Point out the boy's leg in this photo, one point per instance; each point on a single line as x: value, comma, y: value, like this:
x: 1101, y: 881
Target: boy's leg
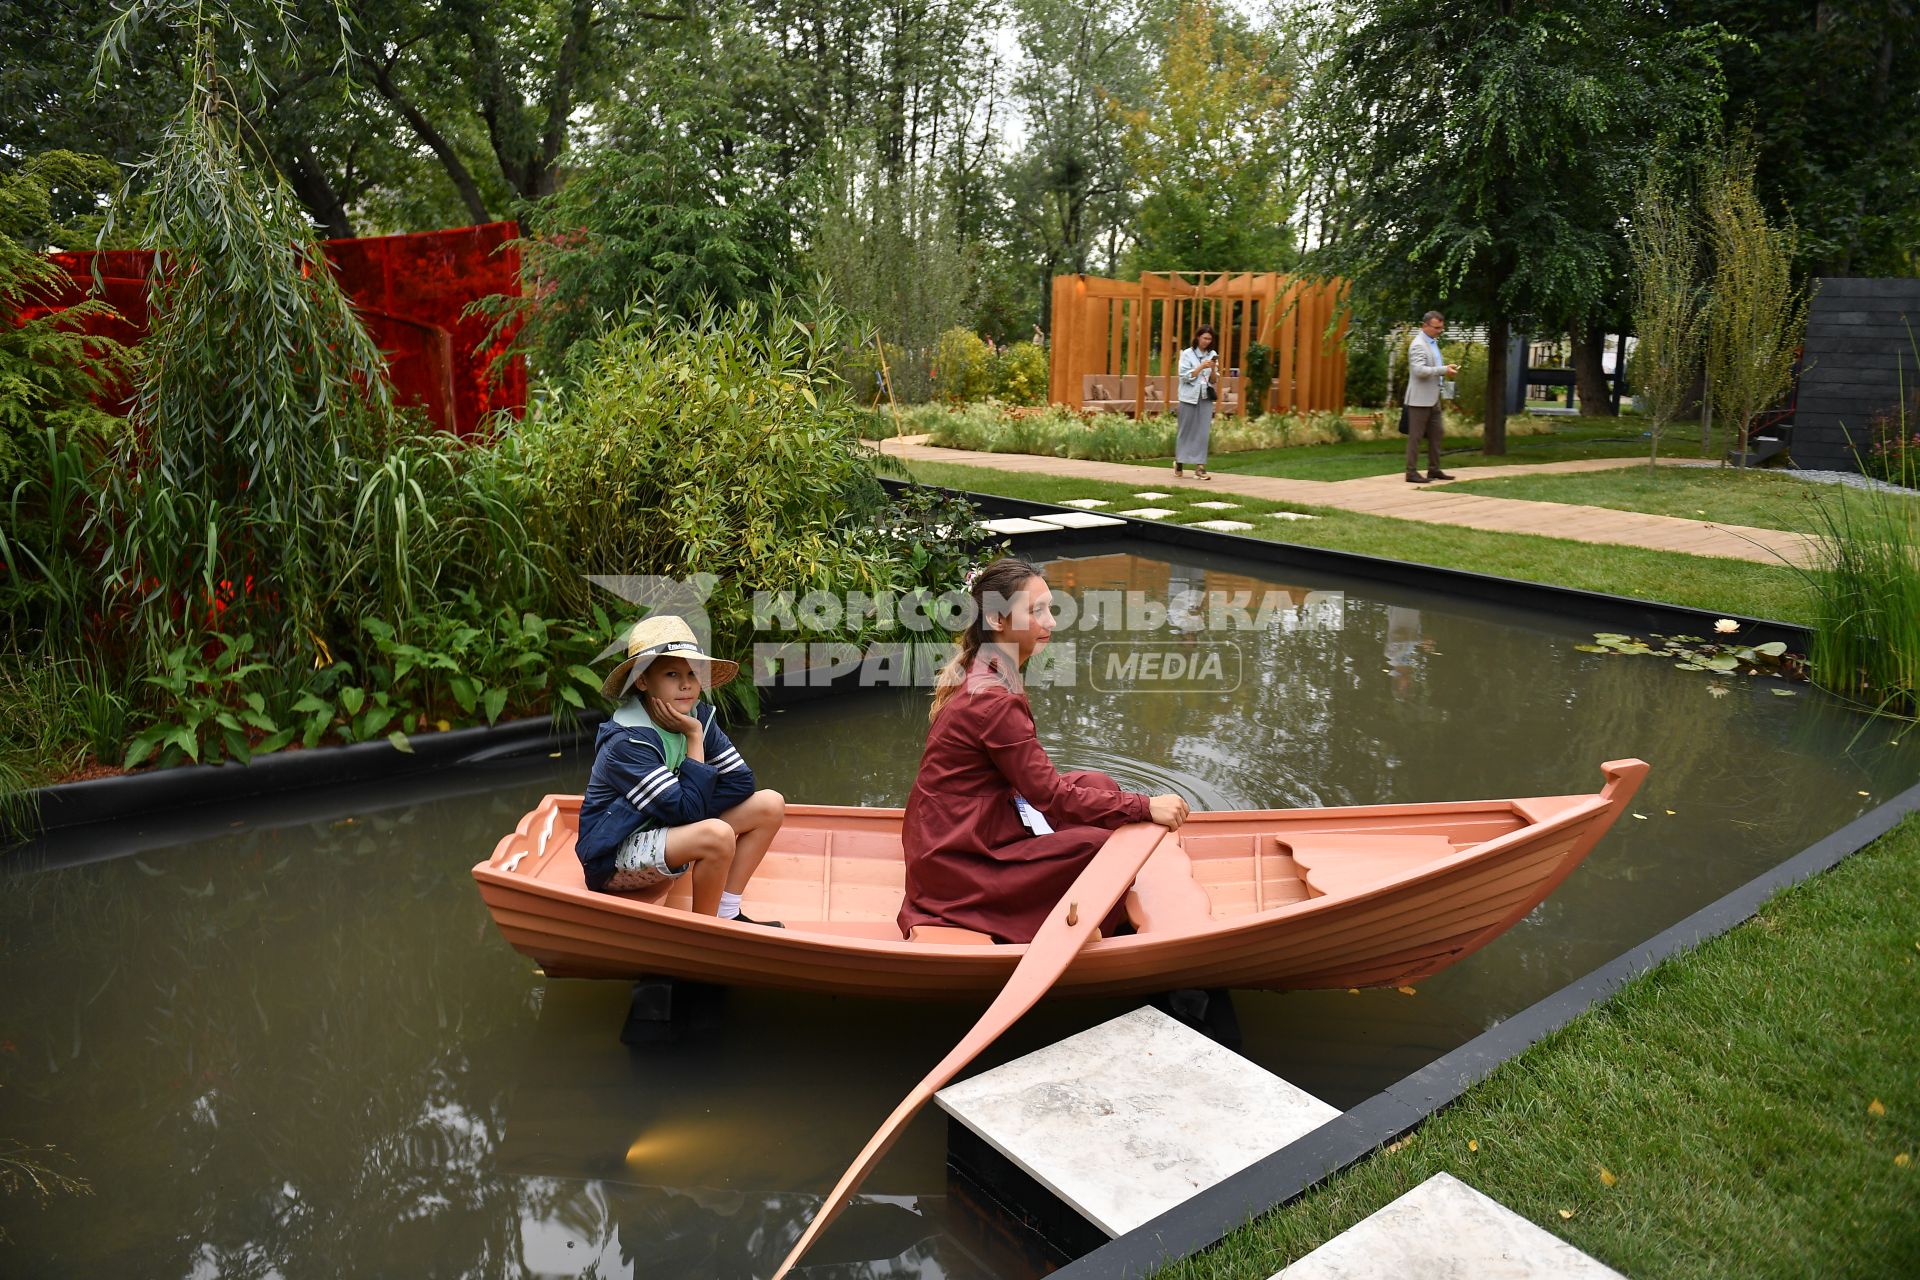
x: 755, y: 821
x: 707, y: 847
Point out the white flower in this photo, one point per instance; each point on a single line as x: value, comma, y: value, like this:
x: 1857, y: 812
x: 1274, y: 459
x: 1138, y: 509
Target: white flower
x: 1726, y: 626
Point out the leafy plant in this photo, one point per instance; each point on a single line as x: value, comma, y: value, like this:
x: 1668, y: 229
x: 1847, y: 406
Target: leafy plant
x: 208, y: 709
x: 1368, y: 357
x: 1020, y: 374
x: 1668, y: 317
x: 962, y: 369
x: 1758, y: 315
x: 1262, y: 368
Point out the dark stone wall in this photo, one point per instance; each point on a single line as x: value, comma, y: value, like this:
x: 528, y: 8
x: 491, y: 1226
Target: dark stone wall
x: 1862, y: 338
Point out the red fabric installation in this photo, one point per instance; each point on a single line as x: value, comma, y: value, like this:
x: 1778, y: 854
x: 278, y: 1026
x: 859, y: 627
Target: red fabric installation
x: 411, y: 291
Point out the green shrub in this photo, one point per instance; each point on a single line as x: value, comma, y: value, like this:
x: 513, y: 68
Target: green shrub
x: 1020, y: 374
x: 1366, y: 367
x: 962, y: 366
x: 1262, y: 368
x: 1470, y: 384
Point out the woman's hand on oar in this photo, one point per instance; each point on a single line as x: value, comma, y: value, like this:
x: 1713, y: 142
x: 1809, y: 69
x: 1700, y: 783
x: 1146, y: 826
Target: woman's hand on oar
x: 1073, y: 920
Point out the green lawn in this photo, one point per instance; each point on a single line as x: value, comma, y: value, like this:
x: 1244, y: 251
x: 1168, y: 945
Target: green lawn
x: 1747, y: 1109
x: 1719, y: 585
x: 1764, y: 499
x: 1568, y: 440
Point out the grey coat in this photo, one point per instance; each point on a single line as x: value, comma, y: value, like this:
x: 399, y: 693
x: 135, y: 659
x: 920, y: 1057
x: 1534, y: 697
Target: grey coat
x: 1425, y: 370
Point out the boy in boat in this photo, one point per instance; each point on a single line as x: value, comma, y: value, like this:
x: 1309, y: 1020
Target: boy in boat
x: 668, y: 792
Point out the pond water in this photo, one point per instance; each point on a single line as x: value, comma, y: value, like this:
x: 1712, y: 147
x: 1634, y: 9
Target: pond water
x: 285, y: 1039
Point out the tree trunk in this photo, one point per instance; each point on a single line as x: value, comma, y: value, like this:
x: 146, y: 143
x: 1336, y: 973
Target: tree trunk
x: 1495, y: 439
x: 1589, y: 370
x: 436, y: 142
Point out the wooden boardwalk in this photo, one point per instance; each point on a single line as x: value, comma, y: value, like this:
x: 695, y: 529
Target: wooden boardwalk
x: 1392, y: 496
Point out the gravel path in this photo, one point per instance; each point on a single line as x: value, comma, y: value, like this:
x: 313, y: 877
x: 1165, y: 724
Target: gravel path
x: 1852, y: 479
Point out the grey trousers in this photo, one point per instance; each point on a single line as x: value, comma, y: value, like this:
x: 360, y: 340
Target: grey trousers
x: 1196, y: 424
x: 1424, y: 421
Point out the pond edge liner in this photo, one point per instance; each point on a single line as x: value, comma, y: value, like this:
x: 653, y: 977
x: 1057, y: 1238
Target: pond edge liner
x: 1199, y: 1223
x: 69, y: 806
x: 1623, y: 613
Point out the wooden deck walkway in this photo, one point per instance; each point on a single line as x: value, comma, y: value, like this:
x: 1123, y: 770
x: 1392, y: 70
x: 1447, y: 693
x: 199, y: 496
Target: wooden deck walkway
x: 1392, y: 496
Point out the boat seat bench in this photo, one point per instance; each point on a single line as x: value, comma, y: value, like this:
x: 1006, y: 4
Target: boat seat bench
x: 1165, y: 897
x: 1339, y: 863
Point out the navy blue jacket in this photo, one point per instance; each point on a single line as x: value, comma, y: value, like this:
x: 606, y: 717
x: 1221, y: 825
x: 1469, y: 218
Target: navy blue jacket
x: 631, y: 788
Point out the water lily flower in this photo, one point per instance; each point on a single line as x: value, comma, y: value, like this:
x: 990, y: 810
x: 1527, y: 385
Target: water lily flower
x: 1726, y: 626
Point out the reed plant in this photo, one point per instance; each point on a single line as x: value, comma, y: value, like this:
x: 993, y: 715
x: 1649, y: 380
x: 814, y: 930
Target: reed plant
x: 1866, y: 588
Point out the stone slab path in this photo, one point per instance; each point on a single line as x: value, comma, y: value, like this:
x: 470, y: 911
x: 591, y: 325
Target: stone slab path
x: 1445, y: 1230
x: 1391, y: 496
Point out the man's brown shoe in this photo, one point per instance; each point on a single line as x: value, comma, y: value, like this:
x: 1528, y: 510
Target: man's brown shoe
x: 1438, y: 475
x: 1414, y: 477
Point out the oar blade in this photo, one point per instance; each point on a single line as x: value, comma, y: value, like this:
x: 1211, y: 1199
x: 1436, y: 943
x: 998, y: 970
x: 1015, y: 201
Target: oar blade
x: 1068, y: 926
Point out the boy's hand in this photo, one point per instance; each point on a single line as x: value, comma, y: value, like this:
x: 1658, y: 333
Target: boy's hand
x: 667, y: 718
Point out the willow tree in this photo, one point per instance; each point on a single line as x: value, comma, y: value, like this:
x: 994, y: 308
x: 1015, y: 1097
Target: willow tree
x: 1667, y: 316
x: 1490, y: 149
x: 1758, y: 315
x: 257, y: 389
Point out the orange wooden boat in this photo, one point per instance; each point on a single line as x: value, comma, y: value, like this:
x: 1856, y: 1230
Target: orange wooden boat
x: 1277, y: 899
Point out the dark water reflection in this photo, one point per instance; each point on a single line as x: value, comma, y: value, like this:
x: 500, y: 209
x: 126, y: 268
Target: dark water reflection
x: 286, y: 1041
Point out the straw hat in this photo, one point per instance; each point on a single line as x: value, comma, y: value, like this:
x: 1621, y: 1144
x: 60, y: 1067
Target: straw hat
x: 666, y: 635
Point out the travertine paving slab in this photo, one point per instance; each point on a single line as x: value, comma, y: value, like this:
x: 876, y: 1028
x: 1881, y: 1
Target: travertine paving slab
x: 1150, y: 513
x: 1017, y: 524
x: 1222, y: 526
x: 1445, y: 1230
x: 1086, y: 504
x: 1152, y: 495
x: 1217, y: 506
x: 1079, y: 520
x: 1127, y: 1119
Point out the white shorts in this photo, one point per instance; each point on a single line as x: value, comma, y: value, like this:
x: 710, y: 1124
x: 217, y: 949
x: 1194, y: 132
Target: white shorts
x: 641, y: 862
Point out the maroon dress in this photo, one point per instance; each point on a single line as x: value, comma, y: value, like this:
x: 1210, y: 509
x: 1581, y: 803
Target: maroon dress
x: 970, y: 861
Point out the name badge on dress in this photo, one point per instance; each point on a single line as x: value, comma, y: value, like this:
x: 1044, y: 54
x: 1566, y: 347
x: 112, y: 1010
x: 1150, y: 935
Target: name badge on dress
x: 1031, y: 818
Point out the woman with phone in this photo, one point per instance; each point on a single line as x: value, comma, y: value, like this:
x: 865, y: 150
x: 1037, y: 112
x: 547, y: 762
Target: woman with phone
x: 1198, y: 365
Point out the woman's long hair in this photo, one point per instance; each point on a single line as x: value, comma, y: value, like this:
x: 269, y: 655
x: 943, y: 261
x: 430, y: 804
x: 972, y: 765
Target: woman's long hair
x: 1193, y: 342
x: 998, y: 582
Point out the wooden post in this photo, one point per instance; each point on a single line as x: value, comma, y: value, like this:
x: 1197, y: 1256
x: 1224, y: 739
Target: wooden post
x: 1286, y: 322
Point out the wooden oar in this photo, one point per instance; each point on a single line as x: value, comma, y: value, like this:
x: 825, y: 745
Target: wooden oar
x: 1072, y: 921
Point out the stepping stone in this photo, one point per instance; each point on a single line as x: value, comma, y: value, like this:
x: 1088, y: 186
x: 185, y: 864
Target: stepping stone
x: 1017, y: 524
x: 1152, y: 495
x: 1079, y: 520
x: 1221, y: 526
x: 1127, y: 1119
x: 1150, y: 513
x: 1291, y: 515
x: 1442, y: 1229
x: 1086, y: 504
x: 1217, y: 506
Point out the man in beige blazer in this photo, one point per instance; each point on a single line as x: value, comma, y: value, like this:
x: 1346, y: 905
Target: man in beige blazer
x: 1426, y: 367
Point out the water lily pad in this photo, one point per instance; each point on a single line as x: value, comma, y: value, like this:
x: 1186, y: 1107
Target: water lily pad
x: 1786, y: 693
x: 1591, y: 648
x: 1605, y: 636
x: 1689, y: 666
x: 1722, y: 662
x: 1771, y: 649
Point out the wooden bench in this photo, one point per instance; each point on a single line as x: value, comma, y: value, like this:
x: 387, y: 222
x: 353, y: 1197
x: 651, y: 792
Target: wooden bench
x: 1335, y: 865
x: 1165, y: 897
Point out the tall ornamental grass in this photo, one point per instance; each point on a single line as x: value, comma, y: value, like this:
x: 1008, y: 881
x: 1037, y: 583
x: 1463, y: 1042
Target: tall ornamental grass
x: 1866, y: 584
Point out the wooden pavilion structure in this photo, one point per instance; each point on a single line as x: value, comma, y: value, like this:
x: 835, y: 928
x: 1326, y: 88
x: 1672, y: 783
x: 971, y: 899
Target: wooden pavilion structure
x: 1116, y: 343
